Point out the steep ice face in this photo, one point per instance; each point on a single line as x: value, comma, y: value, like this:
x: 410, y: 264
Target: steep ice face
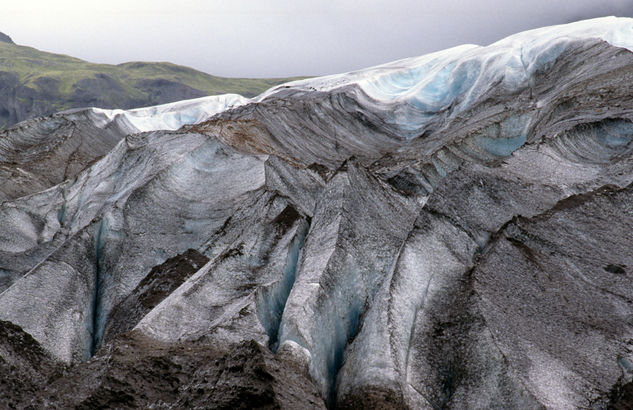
x: 425, y: 75
x: 170, y: 116
x: 456, y: 78
x: 34, y: 149
x: 416, y: 89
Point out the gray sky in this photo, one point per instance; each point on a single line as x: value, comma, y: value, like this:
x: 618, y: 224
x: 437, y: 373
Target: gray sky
x: 259, y: 38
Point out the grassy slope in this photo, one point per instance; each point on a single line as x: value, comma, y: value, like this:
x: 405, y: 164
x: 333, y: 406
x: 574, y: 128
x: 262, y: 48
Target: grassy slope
x: 30, y: 64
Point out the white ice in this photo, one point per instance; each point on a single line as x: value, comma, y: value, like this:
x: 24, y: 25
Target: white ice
x: 172, y: 116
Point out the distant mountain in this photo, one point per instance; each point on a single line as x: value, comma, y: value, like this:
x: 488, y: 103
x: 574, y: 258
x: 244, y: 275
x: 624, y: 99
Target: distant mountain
x: 5, y: 39
x: 35, y: 83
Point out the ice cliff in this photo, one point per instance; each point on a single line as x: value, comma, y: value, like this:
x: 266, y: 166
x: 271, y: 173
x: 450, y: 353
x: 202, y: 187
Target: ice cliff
x: 445, y: 231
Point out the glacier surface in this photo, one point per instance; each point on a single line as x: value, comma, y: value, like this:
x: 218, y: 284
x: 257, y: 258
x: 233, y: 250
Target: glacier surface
x: 445, y: 231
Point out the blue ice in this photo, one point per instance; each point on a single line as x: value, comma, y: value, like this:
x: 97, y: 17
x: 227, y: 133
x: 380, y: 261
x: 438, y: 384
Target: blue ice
x: 501, y: 147
x: 615, y: 134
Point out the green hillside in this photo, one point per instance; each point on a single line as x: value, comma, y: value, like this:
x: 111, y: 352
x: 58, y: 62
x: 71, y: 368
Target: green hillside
x: 34, y: 83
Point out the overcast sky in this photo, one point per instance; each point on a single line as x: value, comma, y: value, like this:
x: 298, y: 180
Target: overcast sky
x: 259, y: 38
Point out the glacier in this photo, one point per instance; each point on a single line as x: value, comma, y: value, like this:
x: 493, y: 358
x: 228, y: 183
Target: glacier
x: 170, y: 116
x: 444, y: 231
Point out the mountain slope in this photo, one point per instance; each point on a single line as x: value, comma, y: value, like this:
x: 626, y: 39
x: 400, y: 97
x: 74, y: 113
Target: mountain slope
x: 34, y: 83
x: 446, y: 231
